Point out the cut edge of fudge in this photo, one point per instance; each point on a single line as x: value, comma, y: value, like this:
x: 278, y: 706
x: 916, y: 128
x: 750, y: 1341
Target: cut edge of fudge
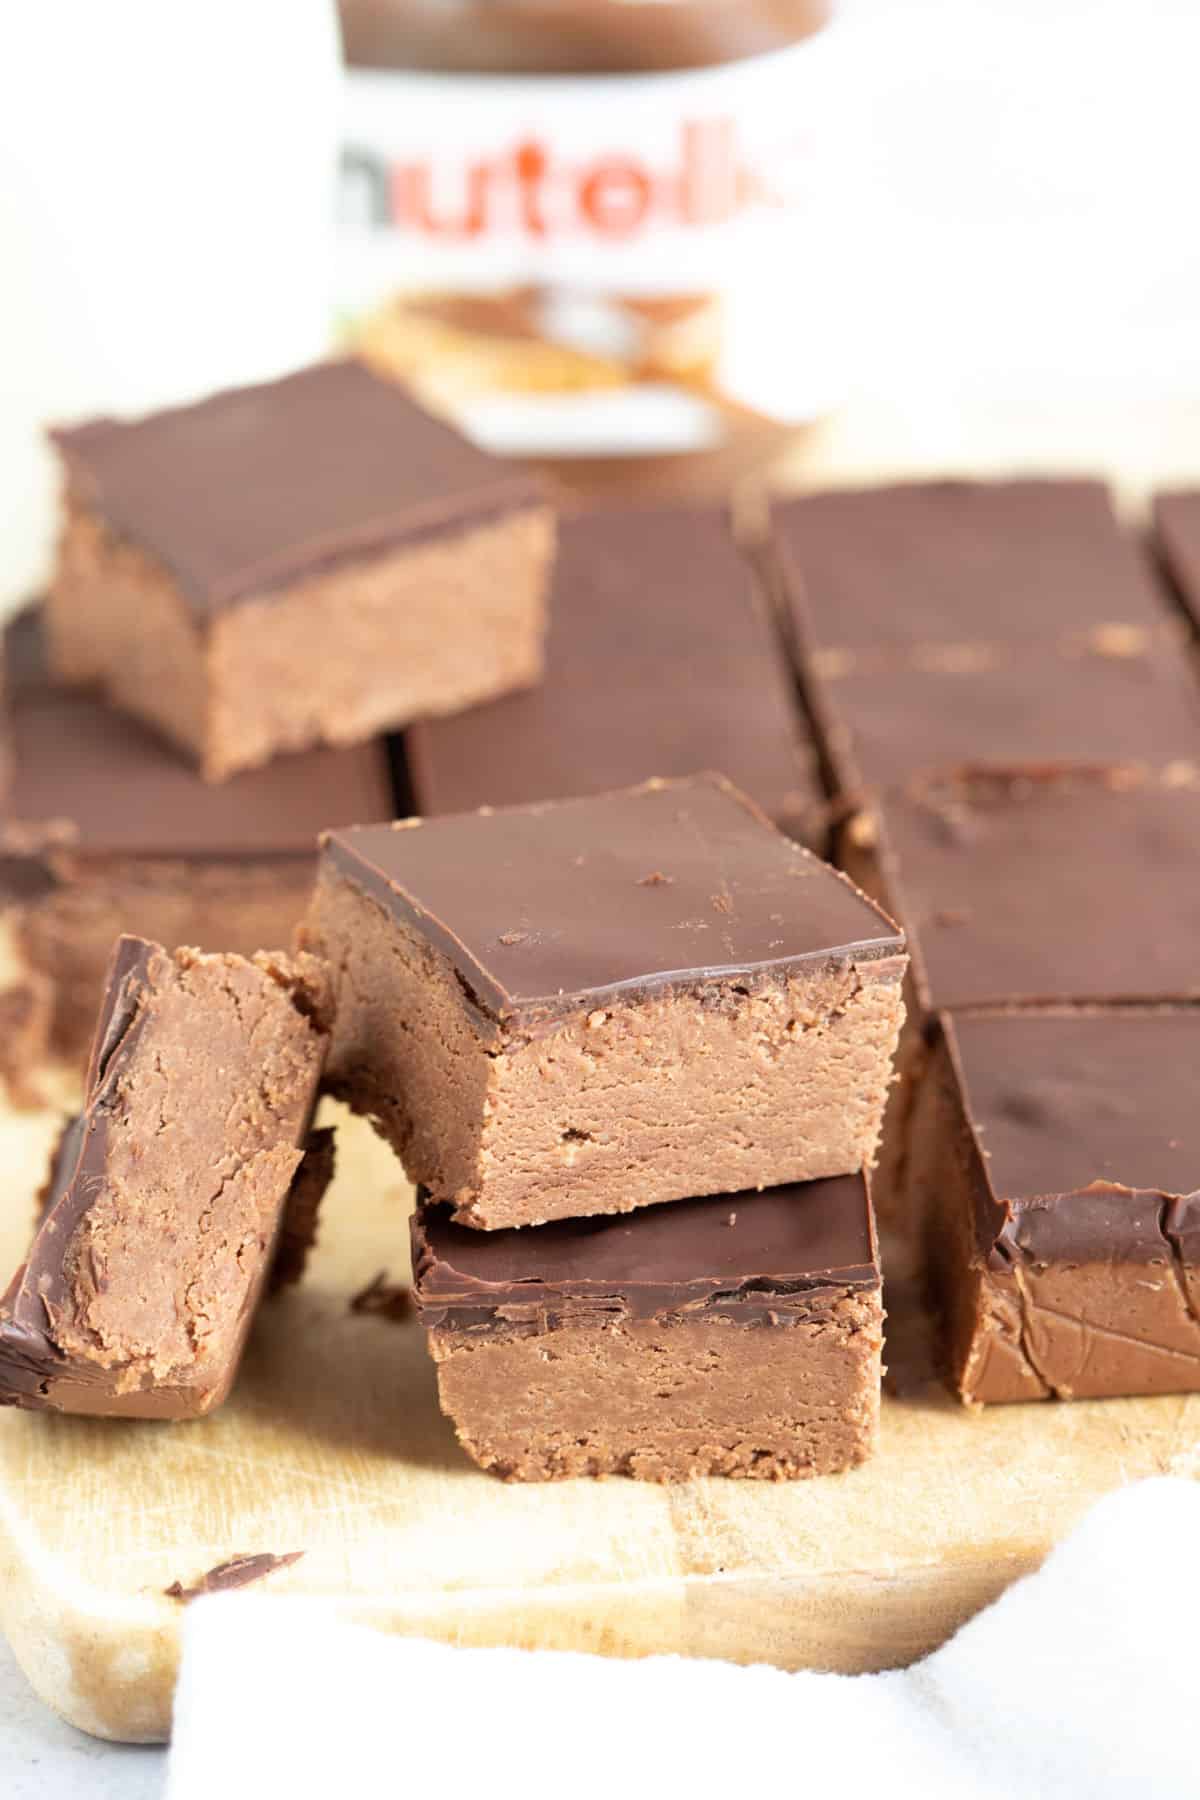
x: 1069, y: 1288
x: 204, y: 628
x: 596, y: 1347
x: 359, y: 854
x: 139, y: 1287
x: 563, y: 1031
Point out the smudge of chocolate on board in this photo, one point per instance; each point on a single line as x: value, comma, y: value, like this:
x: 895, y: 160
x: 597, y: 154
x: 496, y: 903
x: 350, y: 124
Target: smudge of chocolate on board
x: 236, y: 1573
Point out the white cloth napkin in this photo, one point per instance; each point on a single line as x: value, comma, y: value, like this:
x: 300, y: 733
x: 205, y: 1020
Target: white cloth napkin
x: 1080, y: 1680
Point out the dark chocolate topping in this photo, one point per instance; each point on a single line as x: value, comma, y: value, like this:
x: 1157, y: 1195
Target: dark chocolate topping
x: 740, y: 1250
x: 1177, y: 531
x: 961, y: 562
x: 1042, y: 886
x: 540, y: 908
x: 120, y: 790
x: 660, y: 656
x: 1085, y: 1121
x: 883, y: 726
x: 571, y: 36
x: 256, y: 487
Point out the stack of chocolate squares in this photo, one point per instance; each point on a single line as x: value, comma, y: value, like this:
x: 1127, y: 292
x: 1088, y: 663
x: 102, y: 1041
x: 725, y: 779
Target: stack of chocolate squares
x: 647, y: 1003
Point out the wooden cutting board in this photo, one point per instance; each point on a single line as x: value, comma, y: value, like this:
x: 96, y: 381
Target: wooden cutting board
x: 333, y: 1445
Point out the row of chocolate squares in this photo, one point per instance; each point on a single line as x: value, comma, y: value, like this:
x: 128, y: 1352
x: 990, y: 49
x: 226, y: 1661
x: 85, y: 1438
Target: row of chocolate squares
x: 737, y: 1334
x: 916, y: 610
x: 681, y: 1003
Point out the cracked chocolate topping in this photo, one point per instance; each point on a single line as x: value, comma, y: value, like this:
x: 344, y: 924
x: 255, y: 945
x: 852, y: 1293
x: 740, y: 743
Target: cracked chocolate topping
x: 754, y: 1257
x: 541, y: 909
x: 254, y: 488
x: 110, y: 787
x: 1085, y: 1120
x: 961, y: 562
x: 1042, y: 885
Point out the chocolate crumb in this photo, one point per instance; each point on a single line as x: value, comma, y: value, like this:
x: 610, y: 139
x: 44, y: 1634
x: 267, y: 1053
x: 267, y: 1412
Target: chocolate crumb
x: 951, y: 915
x: 383, y: 1299
x: 508, y: 938
x: 732, y: 1219
x: 722, y: 903
x: 656, y: 878
x: 235, y: 1573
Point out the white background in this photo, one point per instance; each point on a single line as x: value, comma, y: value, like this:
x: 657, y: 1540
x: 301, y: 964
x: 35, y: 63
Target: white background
x: 1028, y: 270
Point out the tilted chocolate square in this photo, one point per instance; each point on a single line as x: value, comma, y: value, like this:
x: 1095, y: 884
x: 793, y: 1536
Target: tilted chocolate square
x: 310, y: 561
x: 662, y: 655
x: 1061, y: 1159
x: 106, y: 830
x: 167, y: 1195
x: 597, y: 1004
x: 739, y: 1335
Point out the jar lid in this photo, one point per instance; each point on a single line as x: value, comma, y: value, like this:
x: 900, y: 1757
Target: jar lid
x: 555, y: 37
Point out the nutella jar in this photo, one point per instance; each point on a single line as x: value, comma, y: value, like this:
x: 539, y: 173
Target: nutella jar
x: 598, y: 228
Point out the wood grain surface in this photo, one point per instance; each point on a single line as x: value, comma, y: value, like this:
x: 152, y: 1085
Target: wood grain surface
x: 333, y: 1445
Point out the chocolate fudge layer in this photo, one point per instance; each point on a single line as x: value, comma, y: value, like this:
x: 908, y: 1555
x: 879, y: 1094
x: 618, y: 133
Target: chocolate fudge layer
x: 1177, y: 540
x: 1040, y: 885
x: 593, y: 1005
x: 106, y: 830
x: 739, y: 1335
x: 891, y: 570
x: 882, y: 727
x: 1062, y: 1162
x: 167, y: 1194
x: 661, y: 656
x: 310, y: 561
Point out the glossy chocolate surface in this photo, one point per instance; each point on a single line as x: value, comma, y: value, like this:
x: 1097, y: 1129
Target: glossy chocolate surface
x: 544, y: 908
x: 1087, y: 1127
x: 882, y: 727
x: 661, y: 658
x: 1044, y: 886
x: 954, y: 562
x: 738, y: 1254
x: 117, y: 789
x: 260, y: 486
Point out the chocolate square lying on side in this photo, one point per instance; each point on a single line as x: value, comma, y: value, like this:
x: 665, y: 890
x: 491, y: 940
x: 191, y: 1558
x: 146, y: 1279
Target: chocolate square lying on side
x: 310, y: 561
x: 661, y: 655
x: 881, y: 572
x: 739, y: 1335
x: 106, y: 830
x: 1061, y: 1160
x: 597, y: 1004
x: 166, y: 1196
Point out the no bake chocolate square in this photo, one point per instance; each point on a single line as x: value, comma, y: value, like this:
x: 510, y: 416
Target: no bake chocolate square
x: 661, y: 655
x: 106, y: 830
x: 1039, y: 885
x: 309, y: 561
x: 739, y: 1335
x: 884, y: 571
x: 166, y: 1196
x: 1061, y: 1161
x: 882, y: 727
x: 597, y: 1004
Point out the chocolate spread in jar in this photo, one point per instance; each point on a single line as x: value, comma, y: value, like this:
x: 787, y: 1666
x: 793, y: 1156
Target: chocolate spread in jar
x: 595, y: 229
